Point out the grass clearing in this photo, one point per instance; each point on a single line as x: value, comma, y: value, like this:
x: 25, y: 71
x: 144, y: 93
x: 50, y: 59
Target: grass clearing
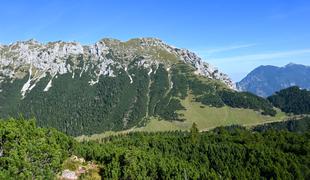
x: 209, y: 117
x: 204, y: 116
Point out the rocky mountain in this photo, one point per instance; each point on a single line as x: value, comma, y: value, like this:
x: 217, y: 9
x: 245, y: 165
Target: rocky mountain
x: 266, y: 80
x: 22, y: 58
x: 111, y: 85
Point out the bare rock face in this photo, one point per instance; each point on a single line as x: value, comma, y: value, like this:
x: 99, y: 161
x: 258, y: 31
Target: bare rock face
x: 35, y: 60
x: 68, y: 175
x: 204, y: 68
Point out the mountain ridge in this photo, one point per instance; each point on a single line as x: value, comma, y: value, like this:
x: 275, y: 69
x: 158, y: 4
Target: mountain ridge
x: 41, y: 56
x: 266, y: 80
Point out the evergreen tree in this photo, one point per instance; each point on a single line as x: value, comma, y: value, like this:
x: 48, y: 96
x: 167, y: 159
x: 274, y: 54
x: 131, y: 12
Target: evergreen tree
x: 194, y: 133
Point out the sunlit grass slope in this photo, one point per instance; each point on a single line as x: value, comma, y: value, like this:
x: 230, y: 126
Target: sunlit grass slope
x: 204, y: 116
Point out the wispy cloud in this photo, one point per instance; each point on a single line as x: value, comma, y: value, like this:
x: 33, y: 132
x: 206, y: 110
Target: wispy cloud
x: 282, y: 14
x: 209, y: 51
x: 264, y: 56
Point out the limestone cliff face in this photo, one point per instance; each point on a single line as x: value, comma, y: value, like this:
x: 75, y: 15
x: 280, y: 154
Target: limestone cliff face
x: 35, y: 60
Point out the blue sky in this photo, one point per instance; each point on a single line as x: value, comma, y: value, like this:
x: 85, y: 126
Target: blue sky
x: 234, y: 35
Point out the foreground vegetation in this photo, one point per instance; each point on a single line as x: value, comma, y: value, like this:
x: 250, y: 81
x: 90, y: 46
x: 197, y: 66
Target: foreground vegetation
x: 28, y: 152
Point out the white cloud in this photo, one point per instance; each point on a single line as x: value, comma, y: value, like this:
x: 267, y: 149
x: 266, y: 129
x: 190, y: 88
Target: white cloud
x: 224, y: 49
x: 264, y: 56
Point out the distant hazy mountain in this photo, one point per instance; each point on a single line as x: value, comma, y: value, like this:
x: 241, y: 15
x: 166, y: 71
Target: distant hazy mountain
x: 266, y: 80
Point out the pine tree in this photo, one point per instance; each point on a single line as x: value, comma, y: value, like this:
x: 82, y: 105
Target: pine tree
x: 194, y: 133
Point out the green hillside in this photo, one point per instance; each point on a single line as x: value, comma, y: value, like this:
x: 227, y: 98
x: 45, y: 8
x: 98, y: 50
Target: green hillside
x: 205, y: 117
x: 129, y: 94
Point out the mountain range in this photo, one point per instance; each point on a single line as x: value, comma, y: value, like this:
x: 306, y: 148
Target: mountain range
x: 115, y: 85
x: 112, y: 94
x: 266, y: 80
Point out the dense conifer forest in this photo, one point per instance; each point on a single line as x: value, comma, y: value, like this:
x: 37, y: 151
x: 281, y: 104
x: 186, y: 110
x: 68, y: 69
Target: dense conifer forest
x: 292, y: 100
x: 118, y: 103
x: 295, y: 125
x: 29, y: 152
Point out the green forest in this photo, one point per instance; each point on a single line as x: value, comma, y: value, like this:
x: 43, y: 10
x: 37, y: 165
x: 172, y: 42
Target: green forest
x: 75, y: 107
x: 294, y: 125
x: 292, y: 100
x: 29, y: 152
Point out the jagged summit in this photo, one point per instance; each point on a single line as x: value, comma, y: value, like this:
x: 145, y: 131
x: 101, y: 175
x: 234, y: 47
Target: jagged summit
x: 141, y: 40
x: 19, y: 58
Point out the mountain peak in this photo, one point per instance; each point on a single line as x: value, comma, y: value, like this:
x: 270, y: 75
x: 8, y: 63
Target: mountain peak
x: 51, y: 57
x: 146, y: 39
x: 293, y: 65
x: 132, y: 40
x: 135, y: 43
x: 109, y: 40
x: 30, y: 41
x: 290, y: 64
x: 266, y: 80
